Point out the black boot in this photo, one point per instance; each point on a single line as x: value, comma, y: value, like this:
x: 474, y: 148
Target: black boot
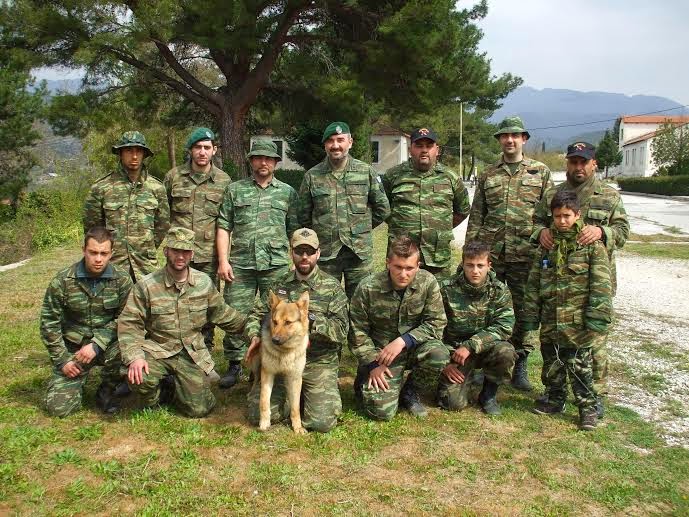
x: 600, y: 408
x: 231, y: 377
x: 361, y: 377
x: 105, y: 400
x: 410, y: 400
x: 487, y: 398
x: 167, y: 390
x: 122, y: 390
x: 520, y: 379
x: 588, y: 419
x: 543, y: 399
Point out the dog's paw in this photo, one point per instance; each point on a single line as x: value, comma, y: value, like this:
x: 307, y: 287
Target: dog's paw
x: 264, y: 426
x: 300, y: 430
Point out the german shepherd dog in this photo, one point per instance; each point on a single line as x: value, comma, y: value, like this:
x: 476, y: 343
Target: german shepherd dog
x: 284, y: 339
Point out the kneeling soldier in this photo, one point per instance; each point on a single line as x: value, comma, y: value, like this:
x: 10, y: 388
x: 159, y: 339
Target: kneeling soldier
x: 479, y: 323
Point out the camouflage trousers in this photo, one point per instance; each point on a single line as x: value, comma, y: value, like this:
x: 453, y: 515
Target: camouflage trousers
x: 497, y: 363
x: 320, y: 398
x: 515, y: 275
x: 349, y: 265
x: 193, y: 395
x: 563, y: 364
x: 64, y: 394
x: 211, y: 269
x: 241, y: 296
x: 382, y: 405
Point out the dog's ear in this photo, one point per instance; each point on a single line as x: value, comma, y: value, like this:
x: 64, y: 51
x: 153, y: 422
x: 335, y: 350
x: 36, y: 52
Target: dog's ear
x: 303, y: 301
x: 273, y: 300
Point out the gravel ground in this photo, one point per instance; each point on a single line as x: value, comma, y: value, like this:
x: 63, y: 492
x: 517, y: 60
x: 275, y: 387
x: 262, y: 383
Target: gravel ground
x: 649, y: 346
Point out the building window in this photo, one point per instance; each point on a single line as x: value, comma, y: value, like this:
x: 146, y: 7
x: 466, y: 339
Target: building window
x: 633, y: 157
x: 279, y: 144
x: 626, y: 157
x: 375, y: 151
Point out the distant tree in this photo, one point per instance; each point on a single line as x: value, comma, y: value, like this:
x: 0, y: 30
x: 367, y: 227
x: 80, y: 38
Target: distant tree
x: 305, y: 146
x: 616, y: 131
x: 608, y: 153
x: 670, y: 149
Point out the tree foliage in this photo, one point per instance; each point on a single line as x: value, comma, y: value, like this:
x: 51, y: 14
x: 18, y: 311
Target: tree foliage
x: 670, y: 149
x: 608, y: 153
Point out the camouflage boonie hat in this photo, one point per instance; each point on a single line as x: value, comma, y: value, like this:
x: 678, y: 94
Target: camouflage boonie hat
x: 180, y: 238
x: 132, y: 139
x: 199, y: 134
x: 264, y: 148
x: 304, y: 236
x: 335, y: 128
x: 511, y: 125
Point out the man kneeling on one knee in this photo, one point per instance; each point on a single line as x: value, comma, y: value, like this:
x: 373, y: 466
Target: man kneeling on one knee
x: 479, y: 323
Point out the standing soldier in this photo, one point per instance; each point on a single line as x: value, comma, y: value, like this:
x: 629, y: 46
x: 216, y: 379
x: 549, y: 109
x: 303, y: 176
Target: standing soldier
x: 427, y: 200
x: 78, y: 325
x: 342, y: 199
x: 605, y: 220
x: 501, y: 216
x: 194, y: 191
x: 261, y: 213
x: 133, y: 205
x: 160, y: 329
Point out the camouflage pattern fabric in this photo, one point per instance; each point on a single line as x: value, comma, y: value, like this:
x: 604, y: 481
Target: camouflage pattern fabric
x: 137, y: 213
x: 343, y: 207
x: 348, y: 265
x: 599, y: 367
x: 194, y: 199
x: 573, y: 363
x: 515, y: 275
x: 261, y: 221
x: 422, y: 205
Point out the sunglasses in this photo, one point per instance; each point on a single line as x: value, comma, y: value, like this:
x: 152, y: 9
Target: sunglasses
x: 301, y: 250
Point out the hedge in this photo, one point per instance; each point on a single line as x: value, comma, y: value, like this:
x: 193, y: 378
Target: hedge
x: 291, y: 177
x: 665, y: 185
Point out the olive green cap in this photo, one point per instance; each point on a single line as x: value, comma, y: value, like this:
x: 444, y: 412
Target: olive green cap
x: 180, y: 238
x: 335, y: 128
x: 264, y: 147
x: 511, y: 125
x: 199, y: 134
x: 132, y: 139
x: 304, y: 236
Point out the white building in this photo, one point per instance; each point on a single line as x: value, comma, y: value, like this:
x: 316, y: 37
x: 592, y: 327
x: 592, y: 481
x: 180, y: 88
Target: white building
x: 636, y: 135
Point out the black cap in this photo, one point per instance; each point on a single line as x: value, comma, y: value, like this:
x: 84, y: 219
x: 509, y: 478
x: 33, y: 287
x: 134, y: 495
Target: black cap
x: 424, y: 132
x: 583, y: 149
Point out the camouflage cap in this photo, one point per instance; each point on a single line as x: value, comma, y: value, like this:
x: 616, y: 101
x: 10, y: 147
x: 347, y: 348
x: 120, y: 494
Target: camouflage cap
x: 335, y: 128
x: 132, y: 139
x: 180, y: 238
x: 264, y: 147
x: 199, y: 134
x: 511, y: 125
x: 305, y: 236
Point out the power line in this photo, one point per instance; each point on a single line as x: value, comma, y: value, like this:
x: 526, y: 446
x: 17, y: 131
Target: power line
x: 608, y: 120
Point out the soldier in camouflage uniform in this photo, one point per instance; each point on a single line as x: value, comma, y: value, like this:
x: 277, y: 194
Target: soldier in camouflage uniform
x: 343, y: 200
x: 570, y: 292
x: 78, y: 324
x: 131, y: 204
x: 261, y: 213
x: 329, y: 324
x: 479, y: 323
x: 397, y: 321
x: 160, y: 329
x: 501, y: 216
x: 194, y: 191
x: 427, y: 200
x: 605, y: 220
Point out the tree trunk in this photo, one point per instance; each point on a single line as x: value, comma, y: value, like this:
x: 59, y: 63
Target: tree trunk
x: 232, y: 134
x: 171, y: 148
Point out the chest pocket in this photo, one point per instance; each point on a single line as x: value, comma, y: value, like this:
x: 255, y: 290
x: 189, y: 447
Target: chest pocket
x: 164, y: 317
x: 598, y: 216
x: 530, y: 190
x: 113, y: 213
x: 578, y: 268
x: 493, y: 190
x: 279, y: 207
x: 242, y: 211
x: 111, y: 301
x: 322, y: 200
x: 405, y: 192
x: 213, y: 200
x: 357, y: 193
x: 198, y: 311
x: 147, y: 203
x: 181, y: 200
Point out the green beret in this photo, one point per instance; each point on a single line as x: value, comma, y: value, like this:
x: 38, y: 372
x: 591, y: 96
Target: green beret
x: 180, y: 238
x: 199, y: 134
x: 132, y: 139
x: 511, y: 125
x: 335, y: 128
x: 264, y: 147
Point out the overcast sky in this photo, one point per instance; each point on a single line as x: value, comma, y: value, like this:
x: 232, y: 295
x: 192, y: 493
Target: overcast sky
x: 632, y: 47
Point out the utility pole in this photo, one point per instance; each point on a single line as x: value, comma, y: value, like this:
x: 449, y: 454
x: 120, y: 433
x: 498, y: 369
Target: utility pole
x: 461, y: 130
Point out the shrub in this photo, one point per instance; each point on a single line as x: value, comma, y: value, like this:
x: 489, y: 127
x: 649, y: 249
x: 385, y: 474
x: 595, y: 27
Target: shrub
x: 665, y: 185
x: 292, y: 177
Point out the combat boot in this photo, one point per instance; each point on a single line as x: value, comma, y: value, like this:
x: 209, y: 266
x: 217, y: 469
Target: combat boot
x: 548, y: 408
x: 231, y: 377
x: 588, y: 419
x: 487, y: 398
x: 520, y: 379
x: 359, y: 380
x: 600, y: 408
x: 167, y: 390
x: 122, y: 390
x: 105, y: 400
x: 409, y: 400
x: 543, y: 399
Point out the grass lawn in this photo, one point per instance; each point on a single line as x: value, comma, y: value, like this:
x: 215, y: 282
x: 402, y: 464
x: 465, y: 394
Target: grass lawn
x: 160, y: 463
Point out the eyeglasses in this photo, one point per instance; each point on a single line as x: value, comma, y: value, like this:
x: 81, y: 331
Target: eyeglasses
x: 302, y: 250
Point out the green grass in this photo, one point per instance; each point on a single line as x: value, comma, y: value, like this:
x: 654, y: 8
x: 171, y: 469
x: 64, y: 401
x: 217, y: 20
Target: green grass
x: 156, y: 462
x: 665, y: 250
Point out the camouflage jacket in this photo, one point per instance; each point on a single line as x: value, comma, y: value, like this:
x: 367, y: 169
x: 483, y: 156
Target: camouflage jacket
x: 502, y: 211
x: 138, y: 213
x: 261, y: 221
x: 477, y: 317
x: 194, y: 204
x: 327, y: 311
x: 569, y: 300
x: 343, y: 207
x: 422, y: 205
x: 78, y: 310
x: 378, y: 314
x: 604, y: 208
x: 162, y: 320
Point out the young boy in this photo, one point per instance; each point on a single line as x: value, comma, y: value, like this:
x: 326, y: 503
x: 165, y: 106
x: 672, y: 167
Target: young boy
x: 569, y: 292
x: 479, y: 323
